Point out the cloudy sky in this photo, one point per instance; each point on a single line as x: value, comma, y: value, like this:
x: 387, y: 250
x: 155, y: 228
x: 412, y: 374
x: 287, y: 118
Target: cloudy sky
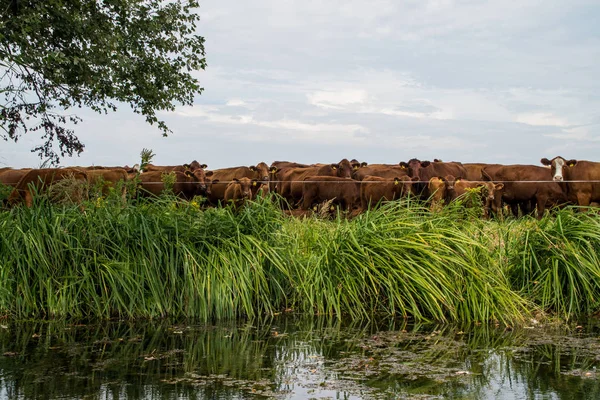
x: 379, y: 80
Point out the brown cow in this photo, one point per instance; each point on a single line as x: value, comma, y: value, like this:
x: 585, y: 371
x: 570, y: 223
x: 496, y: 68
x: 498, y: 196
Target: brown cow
x: 438, y: 192
x: 375, y: 190
x: 525, y: 185
x: 240, y: 190
x: 389, y: 171
x: 490, y: 193
x: 569, y: 172
x: 222, y: 177
x: 38, y: 181
x: 187, y: 184
x: 292, y: 180
x: 107, y: 178
x: 425, y: 170
x: 317, y: 189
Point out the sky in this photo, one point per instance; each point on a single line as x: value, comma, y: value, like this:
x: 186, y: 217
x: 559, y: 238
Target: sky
x: 381, y: 81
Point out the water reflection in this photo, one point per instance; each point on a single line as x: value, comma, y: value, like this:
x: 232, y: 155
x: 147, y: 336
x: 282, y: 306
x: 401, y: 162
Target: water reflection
x: 296, y: 358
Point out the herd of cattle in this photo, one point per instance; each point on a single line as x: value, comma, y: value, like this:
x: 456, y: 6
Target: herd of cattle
x: 352, y: 185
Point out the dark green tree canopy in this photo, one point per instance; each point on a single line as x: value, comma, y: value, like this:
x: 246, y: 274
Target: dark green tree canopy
x: 56, y: 55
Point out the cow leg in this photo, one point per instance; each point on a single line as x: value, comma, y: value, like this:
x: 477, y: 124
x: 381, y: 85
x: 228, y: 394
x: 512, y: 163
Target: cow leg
x: 584, y: 199
x: 541, y: 206
x: 28, y: 198
x: 514, y: 208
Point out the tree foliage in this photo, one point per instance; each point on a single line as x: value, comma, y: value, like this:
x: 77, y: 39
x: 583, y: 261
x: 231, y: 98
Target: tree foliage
x: 56, y: 55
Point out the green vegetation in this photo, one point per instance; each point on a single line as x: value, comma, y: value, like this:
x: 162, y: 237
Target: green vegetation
x: 152, y: 259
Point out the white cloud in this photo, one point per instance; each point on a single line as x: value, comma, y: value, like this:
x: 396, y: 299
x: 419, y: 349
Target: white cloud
x: 235, y: 103
x: 542, y: 119
x: 337, y: 99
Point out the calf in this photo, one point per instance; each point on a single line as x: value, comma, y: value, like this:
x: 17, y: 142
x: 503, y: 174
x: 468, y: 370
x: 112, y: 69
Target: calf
x: 239, y: 191
x: 490, y: 194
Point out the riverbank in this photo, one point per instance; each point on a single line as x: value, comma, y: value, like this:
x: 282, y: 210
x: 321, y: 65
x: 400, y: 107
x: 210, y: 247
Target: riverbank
x: 166, y: 259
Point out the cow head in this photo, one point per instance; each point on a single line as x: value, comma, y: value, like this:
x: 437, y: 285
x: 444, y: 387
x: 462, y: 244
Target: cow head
x: 344, y: 169
x: 493, y: 197
x: 201, y: 176
x: 449, y: 179
x: 414, y: 167
x: 558, y: 167
x: 246, y: 185
x: 262, y: 172
x: 194, y: 165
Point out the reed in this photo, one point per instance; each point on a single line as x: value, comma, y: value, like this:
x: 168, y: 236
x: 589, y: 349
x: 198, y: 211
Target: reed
x: 165, y: 257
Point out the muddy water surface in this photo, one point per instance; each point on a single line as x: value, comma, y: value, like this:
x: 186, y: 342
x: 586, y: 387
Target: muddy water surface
x: 293, y: 358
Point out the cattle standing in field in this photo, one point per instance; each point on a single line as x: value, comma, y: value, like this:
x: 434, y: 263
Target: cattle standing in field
x: 292, y: 179
x: 570, y: 173
x: 224, y: 176
x: 39, y: 181
x: 239, y: 191
x: 425, y: 170
x: 187, y: 184
x: 526, y: 184
x: 343, y: 191
x: 490, y: 193
x: 375, y: 190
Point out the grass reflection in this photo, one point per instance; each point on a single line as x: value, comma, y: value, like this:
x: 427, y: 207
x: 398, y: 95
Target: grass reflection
x: 294, y: 358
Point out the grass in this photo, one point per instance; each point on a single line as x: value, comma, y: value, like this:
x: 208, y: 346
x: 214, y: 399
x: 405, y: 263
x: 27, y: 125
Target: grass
x: 153, y: 259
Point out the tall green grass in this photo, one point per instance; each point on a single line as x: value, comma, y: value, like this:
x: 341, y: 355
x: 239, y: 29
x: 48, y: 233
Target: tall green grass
x: 164, y: 258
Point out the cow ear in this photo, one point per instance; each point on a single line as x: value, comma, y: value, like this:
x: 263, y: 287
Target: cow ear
x: 355, y: 166
x: 403, y: 165
x: 363, y: 164
x: 188, y: 173
x: 334, y: 166
x: 457, y: 180
x: 437, y: 160
x: 203, y: 166
x: 274, y: 170
x: 499, y: 186
x: 572, y: 163
x: 186, y: 166
x: 252, y: 168
x: 396, y: 181
x: 545, y: 161
x: 236, y: 180
x: 425, y: 164
x: 208, y: 173
x: 253, y: 182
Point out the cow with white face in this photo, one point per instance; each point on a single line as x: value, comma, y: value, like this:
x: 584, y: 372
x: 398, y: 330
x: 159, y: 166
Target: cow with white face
x: 558, y: 166
x: 579, y: 179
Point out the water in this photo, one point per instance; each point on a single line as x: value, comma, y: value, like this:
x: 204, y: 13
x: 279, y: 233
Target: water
x: 297, y: 358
